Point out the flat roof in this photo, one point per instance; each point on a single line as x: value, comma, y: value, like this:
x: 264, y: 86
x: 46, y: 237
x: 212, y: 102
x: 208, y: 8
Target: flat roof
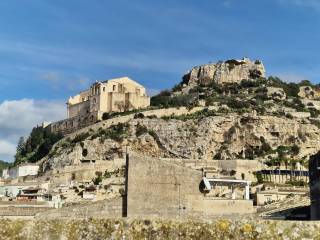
x: 227, y: 180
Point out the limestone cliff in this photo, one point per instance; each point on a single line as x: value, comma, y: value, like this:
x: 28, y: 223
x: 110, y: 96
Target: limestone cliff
x: 227, y: 136
x: 230, y: 71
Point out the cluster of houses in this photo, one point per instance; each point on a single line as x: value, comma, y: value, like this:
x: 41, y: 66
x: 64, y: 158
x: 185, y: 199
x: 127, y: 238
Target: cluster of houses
x: 19, y: 184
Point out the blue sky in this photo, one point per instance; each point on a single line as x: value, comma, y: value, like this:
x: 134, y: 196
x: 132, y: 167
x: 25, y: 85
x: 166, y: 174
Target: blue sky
x: 52, y: 49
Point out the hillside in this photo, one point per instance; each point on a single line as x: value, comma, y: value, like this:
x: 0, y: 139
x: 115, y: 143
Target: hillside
x: 232, y: 112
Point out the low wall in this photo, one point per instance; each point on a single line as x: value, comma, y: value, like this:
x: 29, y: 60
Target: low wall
x: 101, y: 209
x: 64, y: 126
x: 21, y: 211
x: 155, y: 229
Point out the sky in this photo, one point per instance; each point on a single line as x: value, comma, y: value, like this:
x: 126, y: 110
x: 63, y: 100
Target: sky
x: 51, y: 50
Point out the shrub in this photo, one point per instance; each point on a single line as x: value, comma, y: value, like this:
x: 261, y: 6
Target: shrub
x: 80, y: 137
x: 138, y: 115
x: 259, y: 177
x: 105, y: 116
x: 85, y: 152
x: 236, y: 104
x: 141, y: 129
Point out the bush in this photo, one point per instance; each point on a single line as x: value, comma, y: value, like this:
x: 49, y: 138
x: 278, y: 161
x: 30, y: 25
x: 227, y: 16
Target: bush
x: 236, y: 104
x: 80, y: 137
x: 259, y: 177
x: 141, y: 130
x: 105, y: 116
x: 85, y: 152
x: 138, y: 115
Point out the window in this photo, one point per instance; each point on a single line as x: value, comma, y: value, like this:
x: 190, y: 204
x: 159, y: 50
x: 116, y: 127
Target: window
x: 114, y: 87
x: 83, y: 99
x: 104, y: 89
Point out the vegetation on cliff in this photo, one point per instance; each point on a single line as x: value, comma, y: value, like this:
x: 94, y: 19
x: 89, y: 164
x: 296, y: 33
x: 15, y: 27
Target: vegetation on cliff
x: 4, y: 165
x: 38, y: 145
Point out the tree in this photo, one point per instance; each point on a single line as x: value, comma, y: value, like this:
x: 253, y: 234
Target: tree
x: 20, y: 149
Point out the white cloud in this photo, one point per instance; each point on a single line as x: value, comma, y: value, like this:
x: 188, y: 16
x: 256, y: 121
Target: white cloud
x: 18, y: 117
x: 7, y: 149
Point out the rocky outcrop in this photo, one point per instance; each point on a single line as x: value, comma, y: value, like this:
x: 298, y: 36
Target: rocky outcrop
x: 230, y: 71
x: 309, y: 92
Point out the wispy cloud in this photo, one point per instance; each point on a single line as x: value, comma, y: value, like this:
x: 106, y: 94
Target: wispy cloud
x: 153, y: 60
x: 57, y: 80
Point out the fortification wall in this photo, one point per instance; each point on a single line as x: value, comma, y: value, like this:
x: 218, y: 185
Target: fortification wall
x: 160, y: 189
x: 69, y: 126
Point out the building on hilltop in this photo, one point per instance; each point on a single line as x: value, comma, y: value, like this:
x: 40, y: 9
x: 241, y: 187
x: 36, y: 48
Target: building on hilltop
x: 114, y: 95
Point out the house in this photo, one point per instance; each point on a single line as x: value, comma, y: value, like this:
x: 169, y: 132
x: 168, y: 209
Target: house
x: 89, y: 193
x: 30, y: 194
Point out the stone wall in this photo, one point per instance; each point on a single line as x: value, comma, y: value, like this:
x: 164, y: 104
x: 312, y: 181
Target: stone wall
x: 101, y: 209
x: 81, y: 173
x: 21, y: 211
x: 243, y: 167
x: 161, y: 189
x: 66, y: 127
x: 154, y: 229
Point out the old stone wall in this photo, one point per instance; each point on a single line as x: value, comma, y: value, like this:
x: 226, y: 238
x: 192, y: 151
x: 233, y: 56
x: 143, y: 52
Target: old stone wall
x: 243, y: 167
x: 101, y: 209
x: 21, y: 210
x: 161, y: 189
x: 81, y: 173
x: 223, y: 229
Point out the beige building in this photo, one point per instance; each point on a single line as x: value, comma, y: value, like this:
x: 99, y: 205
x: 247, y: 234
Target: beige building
x: 114, y: 95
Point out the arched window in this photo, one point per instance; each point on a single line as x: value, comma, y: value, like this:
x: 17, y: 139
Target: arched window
x: 94, y: 100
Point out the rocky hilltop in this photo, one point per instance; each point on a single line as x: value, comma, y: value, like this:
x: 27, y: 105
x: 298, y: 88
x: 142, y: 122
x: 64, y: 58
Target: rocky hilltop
x: 230, y: 71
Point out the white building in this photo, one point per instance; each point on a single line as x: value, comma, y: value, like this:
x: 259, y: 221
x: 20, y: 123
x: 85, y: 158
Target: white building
x: 26, y: 169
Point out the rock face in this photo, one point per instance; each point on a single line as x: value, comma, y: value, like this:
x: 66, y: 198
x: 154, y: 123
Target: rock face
x: 226, y: 137
x: 308, y: 92
x: 229, y: 71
